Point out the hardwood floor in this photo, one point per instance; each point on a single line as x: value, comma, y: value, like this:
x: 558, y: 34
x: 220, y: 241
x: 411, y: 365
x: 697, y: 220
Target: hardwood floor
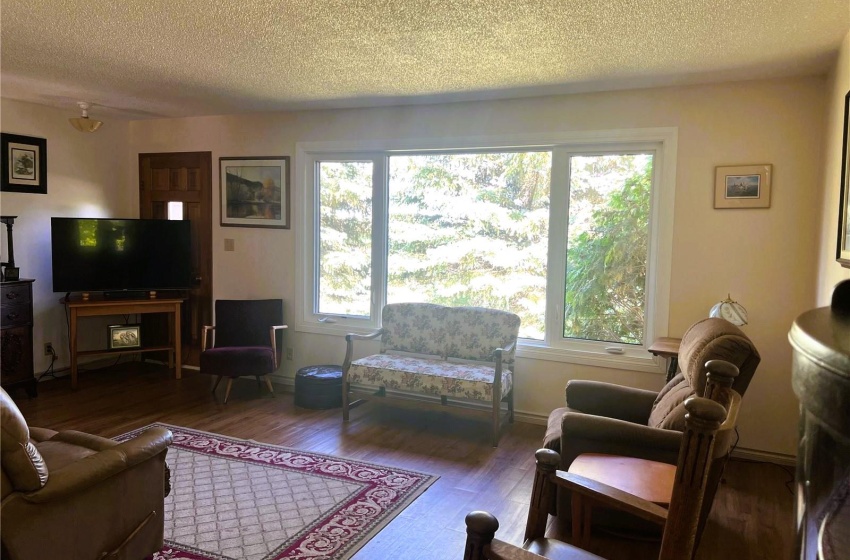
x: 751, y: 519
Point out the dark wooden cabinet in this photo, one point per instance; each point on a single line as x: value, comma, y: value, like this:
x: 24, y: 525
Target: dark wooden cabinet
x: 16, y: 363
x: 821, y: 380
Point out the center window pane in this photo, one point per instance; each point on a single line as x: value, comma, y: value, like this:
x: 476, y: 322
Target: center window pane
x: 471, y: 229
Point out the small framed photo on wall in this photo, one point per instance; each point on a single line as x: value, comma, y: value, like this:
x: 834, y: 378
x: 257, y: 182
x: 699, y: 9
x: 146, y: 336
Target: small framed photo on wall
x: 23, y: 164
x: 742, y: 186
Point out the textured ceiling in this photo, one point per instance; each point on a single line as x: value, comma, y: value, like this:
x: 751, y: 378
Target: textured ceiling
x: 166, y: 58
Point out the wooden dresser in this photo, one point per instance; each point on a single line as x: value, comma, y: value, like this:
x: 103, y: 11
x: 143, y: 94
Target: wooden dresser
x: 16, y: 363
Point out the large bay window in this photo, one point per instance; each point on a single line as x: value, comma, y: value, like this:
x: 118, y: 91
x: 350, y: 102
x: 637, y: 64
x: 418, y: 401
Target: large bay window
x: 573, y: 234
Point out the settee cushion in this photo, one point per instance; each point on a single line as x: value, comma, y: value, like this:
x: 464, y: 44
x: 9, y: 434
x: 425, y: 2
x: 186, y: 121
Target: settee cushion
x: 472, y: 333
x: 429, y: 376
x: 413, y: 327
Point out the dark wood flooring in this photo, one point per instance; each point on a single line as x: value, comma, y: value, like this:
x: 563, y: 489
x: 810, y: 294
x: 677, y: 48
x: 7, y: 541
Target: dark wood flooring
x: 751, y: 519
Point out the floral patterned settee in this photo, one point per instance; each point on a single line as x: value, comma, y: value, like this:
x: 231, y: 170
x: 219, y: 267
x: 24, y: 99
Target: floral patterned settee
x: 454, y: 352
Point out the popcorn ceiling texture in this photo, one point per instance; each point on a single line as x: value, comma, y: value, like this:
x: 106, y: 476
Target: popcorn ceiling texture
x: 184, y: 57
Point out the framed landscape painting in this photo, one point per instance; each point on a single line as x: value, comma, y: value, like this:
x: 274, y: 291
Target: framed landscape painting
x: 23, y: 164
x: 254, y: 192
x: 843, y: 250
x: 742, y: 186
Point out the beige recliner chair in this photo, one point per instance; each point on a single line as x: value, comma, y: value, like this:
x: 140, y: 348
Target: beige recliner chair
x: 72, y: 495
x: 617, y: 420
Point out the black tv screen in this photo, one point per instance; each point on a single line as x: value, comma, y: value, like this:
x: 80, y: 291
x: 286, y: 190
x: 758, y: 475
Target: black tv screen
x: 104, y: 255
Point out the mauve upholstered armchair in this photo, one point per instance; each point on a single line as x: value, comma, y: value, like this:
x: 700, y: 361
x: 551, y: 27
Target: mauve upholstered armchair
x: 245, y: 341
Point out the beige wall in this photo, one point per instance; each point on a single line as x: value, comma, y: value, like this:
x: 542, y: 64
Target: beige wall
x: 765, y: 258
x: 86, y: 176
x: 830, y: 272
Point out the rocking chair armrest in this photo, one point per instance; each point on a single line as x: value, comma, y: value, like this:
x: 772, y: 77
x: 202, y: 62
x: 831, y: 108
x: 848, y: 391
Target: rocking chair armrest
x: 609, y: 496
x: 500, y: 550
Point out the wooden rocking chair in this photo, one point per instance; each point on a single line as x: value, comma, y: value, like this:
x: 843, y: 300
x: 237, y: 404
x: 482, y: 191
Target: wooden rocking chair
x: 707, y: 424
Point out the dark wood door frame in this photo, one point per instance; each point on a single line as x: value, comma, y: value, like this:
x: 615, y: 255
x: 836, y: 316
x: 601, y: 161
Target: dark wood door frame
x: 185, y: 177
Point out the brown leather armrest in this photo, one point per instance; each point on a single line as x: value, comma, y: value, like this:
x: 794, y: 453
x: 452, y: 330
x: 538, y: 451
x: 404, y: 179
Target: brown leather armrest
x: 85, y: 440
x: 86, y: 472
x: 41, y: 434
x: 608, y: 399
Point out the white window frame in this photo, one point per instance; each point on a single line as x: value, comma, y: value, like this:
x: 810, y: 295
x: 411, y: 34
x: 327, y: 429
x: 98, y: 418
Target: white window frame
x: 662, y: 142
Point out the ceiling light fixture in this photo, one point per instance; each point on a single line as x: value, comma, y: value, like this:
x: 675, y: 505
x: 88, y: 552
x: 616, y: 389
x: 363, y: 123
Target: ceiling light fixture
x: 84, y: 123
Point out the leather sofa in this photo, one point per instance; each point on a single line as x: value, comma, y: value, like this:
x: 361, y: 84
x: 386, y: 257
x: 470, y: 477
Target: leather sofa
x: 72, y: 495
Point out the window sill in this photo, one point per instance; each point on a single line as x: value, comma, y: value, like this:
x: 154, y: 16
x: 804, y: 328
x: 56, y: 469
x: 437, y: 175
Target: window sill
x: 632, y: 361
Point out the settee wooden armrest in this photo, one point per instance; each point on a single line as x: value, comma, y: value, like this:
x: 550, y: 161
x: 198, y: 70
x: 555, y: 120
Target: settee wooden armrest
x: 349, y: 344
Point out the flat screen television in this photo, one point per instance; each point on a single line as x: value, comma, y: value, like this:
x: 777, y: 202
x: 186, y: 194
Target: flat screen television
x: 112, y: 255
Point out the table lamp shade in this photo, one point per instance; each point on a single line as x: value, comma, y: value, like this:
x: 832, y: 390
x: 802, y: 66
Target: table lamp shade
x: 730, y: 310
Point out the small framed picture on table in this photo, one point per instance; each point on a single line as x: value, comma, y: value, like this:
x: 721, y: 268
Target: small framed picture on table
x: 124, y: 336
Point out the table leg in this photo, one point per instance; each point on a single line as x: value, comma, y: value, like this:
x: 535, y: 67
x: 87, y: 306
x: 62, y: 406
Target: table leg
x: 672, y: 367
x: 178, y: 353
x: 72, y: 335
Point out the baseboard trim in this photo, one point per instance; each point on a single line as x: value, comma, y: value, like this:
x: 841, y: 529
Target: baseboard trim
x: 756, y: 455
x: 530, y: 418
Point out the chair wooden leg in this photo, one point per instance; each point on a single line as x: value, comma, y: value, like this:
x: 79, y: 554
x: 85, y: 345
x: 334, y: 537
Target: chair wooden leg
x: 497, y: 412
x: 578, y: 518
x: 345, y: 400
x: 227, y: 389
x: 582, y: 512
x: 269, y: 384
x: 259, y: 384
x: 542, y: 493
x: 217, y: 381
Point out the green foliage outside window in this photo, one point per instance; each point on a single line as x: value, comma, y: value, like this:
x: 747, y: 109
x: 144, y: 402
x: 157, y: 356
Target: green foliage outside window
x: 607, y: 248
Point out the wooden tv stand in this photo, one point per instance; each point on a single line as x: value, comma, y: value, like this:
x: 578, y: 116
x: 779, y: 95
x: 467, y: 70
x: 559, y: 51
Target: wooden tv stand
x: 96, y: 306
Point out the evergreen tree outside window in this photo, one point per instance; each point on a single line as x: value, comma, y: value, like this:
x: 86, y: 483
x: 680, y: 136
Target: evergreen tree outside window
x: 471, y: 230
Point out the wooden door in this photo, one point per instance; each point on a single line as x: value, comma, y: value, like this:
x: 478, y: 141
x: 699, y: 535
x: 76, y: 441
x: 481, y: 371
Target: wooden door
x: 185, y: 180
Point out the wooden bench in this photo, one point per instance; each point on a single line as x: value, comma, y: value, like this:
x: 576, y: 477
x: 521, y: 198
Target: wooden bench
x: 464, y: 353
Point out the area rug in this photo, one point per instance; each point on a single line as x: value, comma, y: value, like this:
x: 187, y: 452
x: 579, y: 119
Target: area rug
x: 234, y: 499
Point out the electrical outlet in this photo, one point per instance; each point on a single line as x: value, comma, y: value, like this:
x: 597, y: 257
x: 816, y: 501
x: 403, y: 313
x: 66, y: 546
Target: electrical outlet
x: 290, y: 354
x: 48, y: 349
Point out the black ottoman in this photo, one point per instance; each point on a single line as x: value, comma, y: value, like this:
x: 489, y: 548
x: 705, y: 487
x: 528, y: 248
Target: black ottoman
x: 319, y: 387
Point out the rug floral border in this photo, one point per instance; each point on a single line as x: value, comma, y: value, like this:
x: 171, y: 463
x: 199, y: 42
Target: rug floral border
x: 385, y: 492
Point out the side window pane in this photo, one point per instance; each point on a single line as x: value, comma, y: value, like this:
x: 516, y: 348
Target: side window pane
x: 471, y: 229
x: 607, y: 247
x: 344, y: 274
